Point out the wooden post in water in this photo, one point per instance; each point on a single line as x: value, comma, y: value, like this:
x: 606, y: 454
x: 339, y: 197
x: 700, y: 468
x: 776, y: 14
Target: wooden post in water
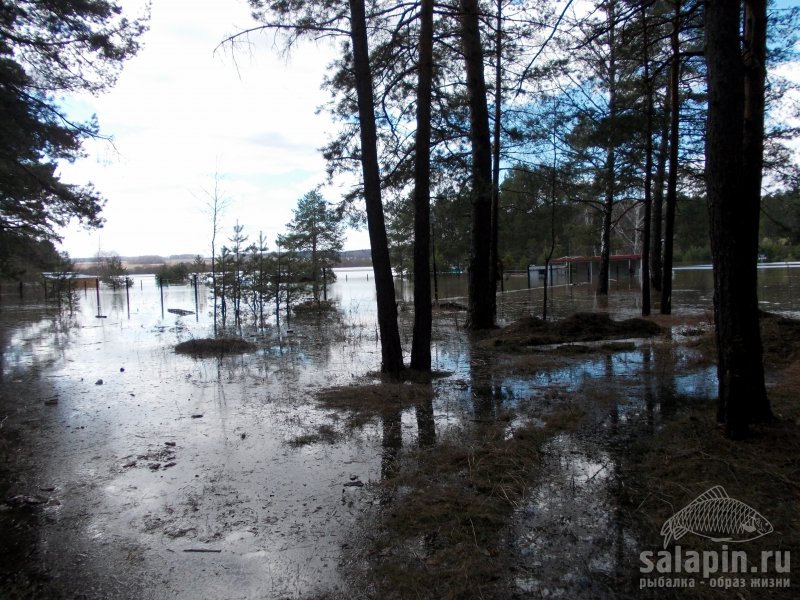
x: 20, y: 290
x: 196, y: 301
x: 97, y: 291
x: 433, y: 266
x: 128, y: 284
x: 161, y: 292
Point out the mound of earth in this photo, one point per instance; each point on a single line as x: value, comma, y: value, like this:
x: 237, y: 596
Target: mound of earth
x: 780, y: 337
x: 580, y: 327
x: 215, y: 346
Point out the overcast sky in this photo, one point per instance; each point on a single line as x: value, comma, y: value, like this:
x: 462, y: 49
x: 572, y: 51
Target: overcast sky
x: 181, y: 112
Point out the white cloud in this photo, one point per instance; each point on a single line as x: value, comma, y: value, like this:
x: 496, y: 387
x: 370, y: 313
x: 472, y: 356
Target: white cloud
x: 182, y: 111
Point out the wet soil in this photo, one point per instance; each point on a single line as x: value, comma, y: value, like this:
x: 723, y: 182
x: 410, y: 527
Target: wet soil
x: 128, y: 470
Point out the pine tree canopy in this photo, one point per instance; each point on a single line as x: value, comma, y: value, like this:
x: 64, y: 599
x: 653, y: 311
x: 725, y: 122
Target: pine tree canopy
x: 48, y: 49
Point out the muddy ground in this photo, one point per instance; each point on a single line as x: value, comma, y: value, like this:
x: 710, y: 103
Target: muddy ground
x: 128, y: 470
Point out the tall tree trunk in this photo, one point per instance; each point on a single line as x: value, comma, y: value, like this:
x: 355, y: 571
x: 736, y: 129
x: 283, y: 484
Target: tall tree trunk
x: 421, y: 341
x: 648, y: 165
x: 314, y: 270
x: 391, y: 351
x: 742, y: 395
x: 672, y: 179
x: 498, y: 99
x: 605, y: 232
x: 214, y: 279
x: 549, y: 256
x: 481, y: 286
x: 656, y: 266
x: 755, y: 72
x: 611, y: 153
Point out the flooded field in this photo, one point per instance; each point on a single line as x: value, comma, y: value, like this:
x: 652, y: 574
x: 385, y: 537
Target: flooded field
x: 130, y: 471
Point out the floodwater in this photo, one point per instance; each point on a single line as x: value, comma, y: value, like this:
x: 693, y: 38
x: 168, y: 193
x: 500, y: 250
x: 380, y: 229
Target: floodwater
x: 129, y: 471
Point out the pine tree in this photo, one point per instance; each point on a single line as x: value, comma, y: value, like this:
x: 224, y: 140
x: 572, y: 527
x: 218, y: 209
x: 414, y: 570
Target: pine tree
x: 50, y: 48
x: 318, y: 231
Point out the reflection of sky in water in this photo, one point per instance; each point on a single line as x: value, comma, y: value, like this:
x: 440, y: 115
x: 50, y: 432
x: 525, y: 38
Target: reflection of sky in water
x: 640, y: 381
x: 350, y: 346
x: 567, y: 530
x: 268, y: 396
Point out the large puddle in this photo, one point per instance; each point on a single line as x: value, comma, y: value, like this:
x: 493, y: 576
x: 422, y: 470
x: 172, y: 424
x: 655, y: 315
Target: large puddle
x: 132, y: 472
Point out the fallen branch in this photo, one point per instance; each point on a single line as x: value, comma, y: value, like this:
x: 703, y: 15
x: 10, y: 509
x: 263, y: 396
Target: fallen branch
x: 213, y: 550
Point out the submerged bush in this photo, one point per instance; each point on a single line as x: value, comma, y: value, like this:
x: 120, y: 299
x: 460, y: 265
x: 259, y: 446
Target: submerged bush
x: 314, y: 307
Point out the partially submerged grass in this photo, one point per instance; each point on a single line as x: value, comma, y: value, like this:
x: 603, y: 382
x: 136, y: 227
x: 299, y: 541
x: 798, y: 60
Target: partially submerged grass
x: 443, y: 532
x: 579, y: 327
x: 443, y: 529
x: 215, y: 346
x: 690, y: 455
x: 363, y: 403
x: 323, y: 434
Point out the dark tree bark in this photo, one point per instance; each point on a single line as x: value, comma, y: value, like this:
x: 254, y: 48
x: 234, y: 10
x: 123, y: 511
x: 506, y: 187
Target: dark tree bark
x: 391, y: 351
x: 481, y: 286
x: 733, y: 209
x: 672, y: 179
x: 648, y: 164
x: 498, y: 83
x: 755, y: 72
x: 421, y: 342
x: 658, y: 204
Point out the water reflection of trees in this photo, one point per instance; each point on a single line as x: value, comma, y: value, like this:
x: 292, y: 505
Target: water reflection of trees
x: 31, y: 346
